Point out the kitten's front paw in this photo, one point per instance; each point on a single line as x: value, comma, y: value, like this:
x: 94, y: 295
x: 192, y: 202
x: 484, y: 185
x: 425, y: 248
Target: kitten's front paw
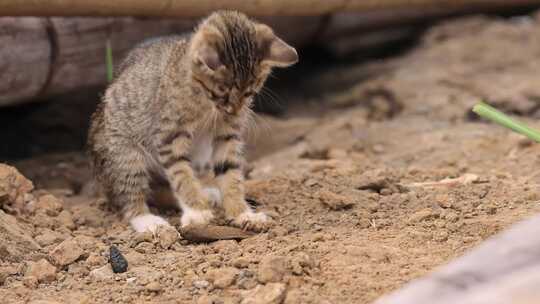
x: 147, y: 222
x: 254, y: 221
x: 213, y: 195
x: 192, y: 216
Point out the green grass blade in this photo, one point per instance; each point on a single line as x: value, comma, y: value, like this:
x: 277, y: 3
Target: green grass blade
x: 502, y: 119
x: 109, y: 60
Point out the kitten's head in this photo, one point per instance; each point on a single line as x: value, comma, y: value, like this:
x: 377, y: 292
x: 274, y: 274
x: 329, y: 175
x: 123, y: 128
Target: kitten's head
x: 231, y: 57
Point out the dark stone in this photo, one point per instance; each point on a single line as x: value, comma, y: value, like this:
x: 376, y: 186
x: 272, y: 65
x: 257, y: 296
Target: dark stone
x: 118, y: 262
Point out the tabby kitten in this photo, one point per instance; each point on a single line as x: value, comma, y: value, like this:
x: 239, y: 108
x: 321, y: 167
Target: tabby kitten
x: 180, y: 103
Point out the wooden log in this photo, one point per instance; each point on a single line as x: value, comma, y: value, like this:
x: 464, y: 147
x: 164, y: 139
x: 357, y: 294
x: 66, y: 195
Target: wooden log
x: 24, y: 59
x: 191, y: 8
x: 503, y: 269
x: 47, y: 56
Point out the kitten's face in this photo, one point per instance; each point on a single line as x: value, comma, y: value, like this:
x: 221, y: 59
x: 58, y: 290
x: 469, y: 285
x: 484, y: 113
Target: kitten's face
x: 231, y: 58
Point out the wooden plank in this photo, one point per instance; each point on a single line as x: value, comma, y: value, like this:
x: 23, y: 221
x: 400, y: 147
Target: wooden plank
x: 24, y: 43
x: 46, y: 56
x: 504, y: 267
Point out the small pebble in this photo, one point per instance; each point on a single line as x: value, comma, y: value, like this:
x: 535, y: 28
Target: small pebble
x: 201, y: 284
x: 119, y: 264
x: 153, y: 287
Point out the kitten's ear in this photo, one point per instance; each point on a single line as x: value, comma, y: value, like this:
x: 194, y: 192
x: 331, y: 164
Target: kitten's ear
x: 276, y: 52
x: 208, y: 56
x: 204, y: 52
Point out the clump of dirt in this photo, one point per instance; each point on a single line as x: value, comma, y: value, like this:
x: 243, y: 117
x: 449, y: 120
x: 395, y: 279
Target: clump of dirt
x: 365, y: 197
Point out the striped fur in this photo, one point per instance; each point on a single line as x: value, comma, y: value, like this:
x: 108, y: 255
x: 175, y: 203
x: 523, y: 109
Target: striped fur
x: 179, y: 99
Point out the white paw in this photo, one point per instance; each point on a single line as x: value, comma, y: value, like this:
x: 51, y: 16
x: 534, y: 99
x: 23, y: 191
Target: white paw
x: 147, y: 222
x: 192, y: 216
x: 213, y: 195
x: 249, y: 220
x: 256, y: 217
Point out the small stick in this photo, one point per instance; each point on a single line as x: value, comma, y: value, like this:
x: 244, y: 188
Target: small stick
x: 210, y: 233
x: 502, y: 119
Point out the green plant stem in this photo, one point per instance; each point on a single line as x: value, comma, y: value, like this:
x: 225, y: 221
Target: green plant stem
x: 109, y: 60
x: 497, y: 116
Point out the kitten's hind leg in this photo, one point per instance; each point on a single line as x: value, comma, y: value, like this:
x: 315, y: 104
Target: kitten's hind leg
x: 124, y: 174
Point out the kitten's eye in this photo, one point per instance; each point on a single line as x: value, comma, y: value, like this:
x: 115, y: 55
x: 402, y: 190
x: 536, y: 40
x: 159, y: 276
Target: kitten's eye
x: 249, y: 94
x: 222, y: 88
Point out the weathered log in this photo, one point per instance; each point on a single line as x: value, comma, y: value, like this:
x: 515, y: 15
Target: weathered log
x: 191, y: 8
x: 504, y: 269
x: 45, y: 56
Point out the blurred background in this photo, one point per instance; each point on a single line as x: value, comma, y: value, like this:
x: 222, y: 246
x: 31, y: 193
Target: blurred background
x: 365, y: 153
x: 53, y: 64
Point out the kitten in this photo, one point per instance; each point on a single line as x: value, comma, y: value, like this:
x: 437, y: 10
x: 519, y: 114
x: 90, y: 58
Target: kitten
x: 180, y: 103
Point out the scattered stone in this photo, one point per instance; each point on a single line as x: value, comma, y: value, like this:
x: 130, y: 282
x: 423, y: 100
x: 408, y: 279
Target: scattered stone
x: 66, y: 253
x: 301, y: 263
x: 225, y: 246
x: 319, y: 237
x: 379, y: 179
x: 246, y: 280
x: 207, y: 299
x: 16, y: 242
x: 153, y: 287
x: 294, y: 296
x: 48, y: 237
x: 223, y: 277
x: 167, y: 236
x: 30, y: 282
x: 95, y: 259
x: 102, y: 273
x: 272, y: 293
x: 65, y: 218
x: 6, y: 272
x: 78, y: 269
x: 333, y: 200
x: 118, y: 262
x: 88, y: 243
x: 13, y: 188
x: 241, y: 262
x: 49, y: 204
x: 201, y: 284
x: 42, y: 270
x: 272, y: 269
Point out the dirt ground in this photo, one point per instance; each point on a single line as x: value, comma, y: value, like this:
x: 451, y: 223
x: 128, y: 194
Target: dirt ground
x: 381, y: 175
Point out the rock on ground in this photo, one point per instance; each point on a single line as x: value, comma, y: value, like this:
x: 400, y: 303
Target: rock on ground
x: 49, y: 204
x: 66, y: 252
x: 223, y: 277
x: 13, y: 187
x: 16, y: 242
x: 272, y: 269
x: 272, y: 293
x: 42, y: 270
x: 102, y: 273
